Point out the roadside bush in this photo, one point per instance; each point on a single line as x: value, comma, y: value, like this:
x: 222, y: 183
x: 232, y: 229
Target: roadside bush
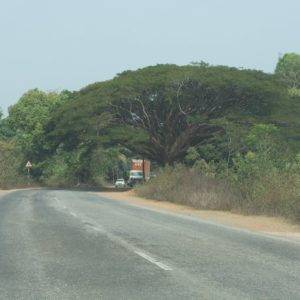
x: 80, y: 168
x: 251, y: 187
x: 106, y: 165
x: 268, y: 179
x: 265, y: 180
x: 99, y: 181
x: 188, y: 186
x: 266, y: 186
x: 59, y: 171
x: 10, y: 162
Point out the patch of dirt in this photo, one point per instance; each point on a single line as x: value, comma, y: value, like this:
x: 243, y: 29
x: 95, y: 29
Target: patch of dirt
x: 4, y: 192
x: 264, y: 224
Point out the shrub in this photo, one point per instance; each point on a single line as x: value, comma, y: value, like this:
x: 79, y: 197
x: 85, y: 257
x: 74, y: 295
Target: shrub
x: 58, y: 171
x: 265, y: 180
x: 267, y: 186
x: 188, y: 186
x: 10, y: 162
x: 253, y: 186
x: 266, y: 177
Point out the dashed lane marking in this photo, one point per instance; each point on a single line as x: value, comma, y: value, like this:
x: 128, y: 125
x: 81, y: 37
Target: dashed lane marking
x: 153, y: 260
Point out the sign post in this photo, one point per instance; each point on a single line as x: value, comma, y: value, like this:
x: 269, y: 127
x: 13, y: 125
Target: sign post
x: 28, y: 167
x: 144, y: 175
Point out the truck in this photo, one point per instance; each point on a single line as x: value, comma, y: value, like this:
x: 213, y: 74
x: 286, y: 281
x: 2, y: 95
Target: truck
x: 139, y: 171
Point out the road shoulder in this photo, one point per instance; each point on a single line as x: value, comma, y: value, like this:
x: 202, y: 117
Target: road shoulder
x: 8, y: 191
x: 275, y: 226
x: 5, y: 192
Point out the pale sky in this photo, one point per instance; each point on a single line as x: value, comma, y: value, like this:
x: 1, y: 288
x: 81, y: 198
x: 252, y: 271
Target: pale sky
x: 67, y: 44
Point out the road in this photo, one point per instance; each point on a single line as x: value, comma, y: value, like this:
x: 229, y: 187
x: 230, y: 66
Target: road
x: 58, y: 244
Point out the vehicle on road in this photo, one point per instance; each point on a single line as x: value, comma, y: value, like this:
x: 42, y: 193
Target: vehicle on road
x: 120, y: 183
x: 139, y: 172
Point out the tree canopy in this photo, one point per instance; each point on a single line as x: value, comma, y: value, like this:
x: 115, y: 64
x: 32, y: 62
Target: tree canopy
x: 160, y: 112
x: 27, y: 120
x: 288, y: 70
x: 166, y: 113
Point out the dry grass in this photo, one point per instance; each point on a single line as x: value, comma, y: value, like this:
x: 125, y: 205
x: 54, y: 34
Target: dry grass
x: 275, y: 195
x: 187, y: 186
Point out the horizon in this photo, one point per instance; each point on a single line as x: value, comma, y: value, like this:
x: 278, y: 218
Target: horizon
x: 56, y: 46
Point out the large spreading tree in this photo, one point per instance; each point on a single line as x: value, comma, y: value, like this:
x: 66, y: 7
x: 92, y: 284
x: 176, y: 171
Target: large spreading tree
x: 178, y: 107
x: 160, y: 112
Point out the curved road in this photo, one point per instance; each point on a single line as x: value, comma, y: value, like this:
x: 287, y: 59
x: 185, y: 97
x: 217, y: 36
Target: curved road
x: 76, y: 245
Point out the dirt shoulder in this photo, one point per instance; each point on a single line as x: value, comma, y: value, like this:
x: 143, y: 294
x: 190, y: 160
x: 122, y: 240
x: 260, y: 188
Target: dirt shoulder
x: 4, y: 192
x: 264, y: 224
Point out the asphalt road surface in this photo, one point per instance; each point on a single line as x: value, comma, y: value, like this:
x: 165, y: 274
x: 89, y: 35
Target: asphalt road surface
x: 76, y: 245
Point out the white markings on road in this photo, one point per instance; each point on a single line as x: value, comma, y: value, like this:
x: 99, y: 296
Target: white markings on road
x: 153, y: 260
x: 117, y: 239
x: 56, y: 200
x: 128, y: 246
x: 58, y: 204
x: 73, y: 214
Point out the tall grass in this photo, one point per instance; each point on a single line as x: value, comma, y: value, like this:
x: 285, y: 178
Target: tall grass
x: 190, y: 187
x: 249, y: 187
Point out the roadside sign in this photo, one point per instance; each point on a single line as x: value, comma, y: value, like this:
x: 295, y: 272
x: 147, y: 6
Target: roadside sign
x: 28, y: 165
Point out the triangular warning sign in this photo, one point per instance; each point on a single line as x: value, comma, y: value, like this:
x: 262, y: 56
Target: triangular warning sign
x: 28, y: 165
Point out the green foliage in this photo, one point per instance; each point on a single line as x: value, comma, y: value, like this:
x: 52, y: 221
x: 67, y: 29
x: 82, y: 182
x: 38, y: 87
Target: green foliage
x: 9, y: 166
x: 65, y: 168
x: 288, y: 71
x: 108, y: 165
x: 70, y: 168
x: 223, y: 146
x: 267, y: 186
x: 160, y: 112
x: 28, y: 118
x: 32, y: 110
x: 265, y: 179
x: 58, y: 172
x: 5, y: 131
x: 192, y: 156
x: 294, y: 92
x: 262, y: 137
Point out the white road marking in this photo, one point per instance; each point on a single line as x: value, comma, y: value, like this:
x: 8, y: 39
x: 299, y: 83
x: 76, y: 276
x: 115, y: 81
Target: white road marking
x: 120, y: 241
x: 129, y: 246
x: 57, y: 202
x: 61, y: 207
x: 153, y: 260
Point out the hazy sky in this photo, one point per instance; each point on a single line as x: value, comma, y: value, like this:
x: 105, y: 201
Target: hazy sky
x: 58, y: 44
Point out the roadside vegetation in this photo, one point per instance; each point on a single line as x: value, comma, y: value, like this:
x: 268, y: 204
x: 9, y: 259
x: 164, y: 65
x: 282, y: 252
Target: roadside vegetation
x: 221, y: 137
x: 10, y: 175
x: 265, y: 180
